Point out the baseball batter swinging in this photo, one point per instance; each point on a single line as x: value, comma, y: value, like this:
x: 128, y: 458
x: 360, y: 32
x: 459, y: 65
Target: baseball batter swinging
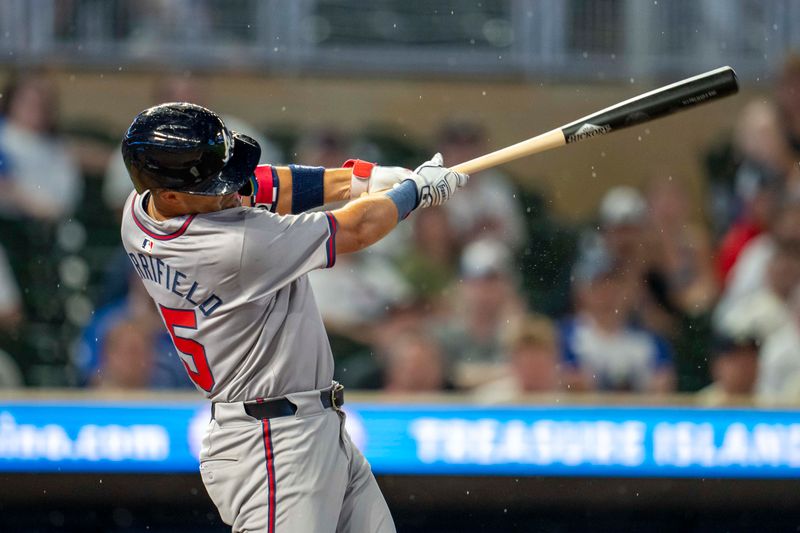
x: 223, y: 247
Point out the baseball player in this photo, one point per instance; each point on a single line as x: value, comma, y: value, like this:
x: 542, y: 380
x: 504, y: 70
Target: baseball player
x: 230, y: 283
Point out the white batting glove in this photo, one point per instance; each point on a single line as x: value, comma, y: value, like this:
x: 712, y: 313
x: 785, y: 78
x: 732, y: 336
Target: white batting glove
x: 436, y: 183
x: 368, y: 177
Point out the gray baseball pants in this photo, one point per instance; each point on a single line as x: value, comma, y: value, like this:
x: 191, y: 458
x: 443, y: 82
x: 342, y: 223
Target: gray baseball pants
x: 290, y: 474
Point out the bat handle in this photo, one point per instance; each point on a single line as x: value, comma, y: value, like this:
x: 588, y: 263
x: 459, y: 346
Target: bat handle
x: 534, y: 145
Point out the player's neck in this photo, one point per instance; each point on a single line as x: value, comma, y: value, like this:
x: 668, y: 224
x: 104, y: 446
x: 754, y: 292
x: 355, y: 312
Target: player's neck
x: 159, y: 212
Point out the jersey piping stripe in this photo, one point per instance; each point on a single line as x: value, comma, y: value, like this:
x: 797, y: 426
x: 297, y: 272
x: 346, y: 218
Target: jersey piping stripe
x: 268, y: 455
x: 276, y: 189
x: 330, y: 248
x: 157, y: 236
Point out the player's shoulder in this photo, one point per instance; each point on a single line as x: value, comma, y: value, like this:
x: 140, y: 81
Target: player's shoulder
x: 261, y: 216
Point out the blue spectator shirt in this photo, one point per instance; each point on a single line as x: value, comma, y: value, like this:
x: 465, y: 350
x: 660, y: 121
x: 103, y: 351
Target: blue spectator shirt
x: 621, y: 361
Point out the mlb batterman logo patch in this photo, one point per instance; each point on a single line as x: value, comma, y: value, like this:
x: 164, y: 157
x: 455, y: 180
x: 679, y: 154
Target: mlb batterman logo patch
x: 147, y: 245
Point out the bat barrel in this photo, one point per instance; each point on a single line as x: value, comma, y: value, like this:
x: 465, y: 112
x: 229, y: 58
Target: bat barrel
x: 664, y: 101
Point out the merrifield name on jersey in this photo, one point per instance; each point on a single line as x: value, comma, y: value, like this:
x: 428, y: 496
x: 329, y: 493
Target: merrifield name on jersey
x: 159, y: 272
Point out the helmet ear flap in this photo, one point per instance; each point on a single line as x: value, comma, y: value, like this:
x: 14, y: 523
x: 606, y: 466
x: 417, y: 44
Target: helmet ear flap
x: 250, y: 188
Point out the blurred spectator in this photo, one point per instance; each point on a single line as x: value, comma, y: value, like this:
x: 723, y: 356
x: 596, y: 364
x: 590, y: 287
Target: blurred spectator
x: 627, y: 237
x: 764, y: 161
x: 534, y: 355
x: 758, y: 191
x: 358, y: 292
x: 126, y: 359
x: 623, y: 218
x: 684, y: 247
x: 486, y: 302
x: 431, y: 262
x: 681, y: 283
x: 750, y: 275
x: 779, y: 364
x: 361, y: 365
x: 40, y: 188
x: 734, y: 368
x: 135, y: 307
x: 764, y: 310
x: 41, y: 180
x: 118, y: 186
x: 601, y: 349
x: 760, y: 137
x: 414, y: 362
x: 364, y: 286
x: 488, y: 206
x: 534, y: 363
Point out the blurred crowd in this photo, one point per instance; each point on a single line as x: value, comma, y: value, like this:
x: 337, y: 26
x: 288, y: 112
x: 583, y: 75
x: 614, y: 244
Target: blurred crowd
x: 663, y: 290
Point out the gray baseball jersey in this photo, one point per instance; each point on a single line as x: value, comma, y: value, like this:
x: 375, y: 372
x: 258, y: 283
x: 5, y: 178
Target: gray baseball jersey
x: 232, y: 289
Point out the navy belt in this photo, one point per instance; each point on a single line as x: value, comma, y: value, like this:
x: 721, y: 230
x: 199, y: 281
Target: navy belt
x: 332, y: 397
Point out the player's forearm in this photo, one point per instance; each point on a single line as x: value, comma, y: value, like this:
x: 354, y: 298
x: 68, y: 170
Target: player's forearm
x: 364, y: 222
x: 335, y: 188
x: 297, y: 189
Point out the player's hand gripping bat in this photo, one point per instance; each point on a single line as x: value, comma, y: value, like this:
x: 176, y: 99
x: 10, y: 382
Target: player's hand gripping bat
x: 643, y: 108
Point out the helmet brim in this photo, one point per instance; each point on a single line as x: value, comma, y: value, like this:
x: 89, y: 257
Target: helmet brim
x: 237, y: 171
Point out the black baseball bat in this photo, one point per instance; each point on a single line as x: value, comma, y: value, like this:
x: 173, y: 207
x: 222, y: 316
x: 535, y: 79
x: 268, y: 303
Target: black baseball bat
x: 660, y: 102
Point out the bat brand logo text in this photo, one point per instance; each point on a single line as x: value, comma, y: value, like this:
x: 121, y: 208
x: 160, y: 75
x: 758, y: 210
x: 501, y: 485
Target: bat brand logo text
x: 588, y: 130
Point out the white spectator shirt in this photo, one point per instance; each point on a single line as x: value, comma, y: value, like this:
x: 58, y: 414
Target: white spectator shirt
x: 41, y: 167
x: 748, y: 274
x: 779, y: 365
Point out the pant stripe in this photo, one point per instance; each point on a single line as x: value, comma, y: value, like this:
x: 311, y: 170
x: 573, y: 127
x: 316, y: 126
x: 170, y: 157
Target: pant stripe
x: 268, y: 454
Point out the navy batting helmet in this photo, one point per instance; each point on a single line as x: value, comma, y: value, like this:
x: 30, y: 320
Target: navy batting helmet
x: 187, y: 148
